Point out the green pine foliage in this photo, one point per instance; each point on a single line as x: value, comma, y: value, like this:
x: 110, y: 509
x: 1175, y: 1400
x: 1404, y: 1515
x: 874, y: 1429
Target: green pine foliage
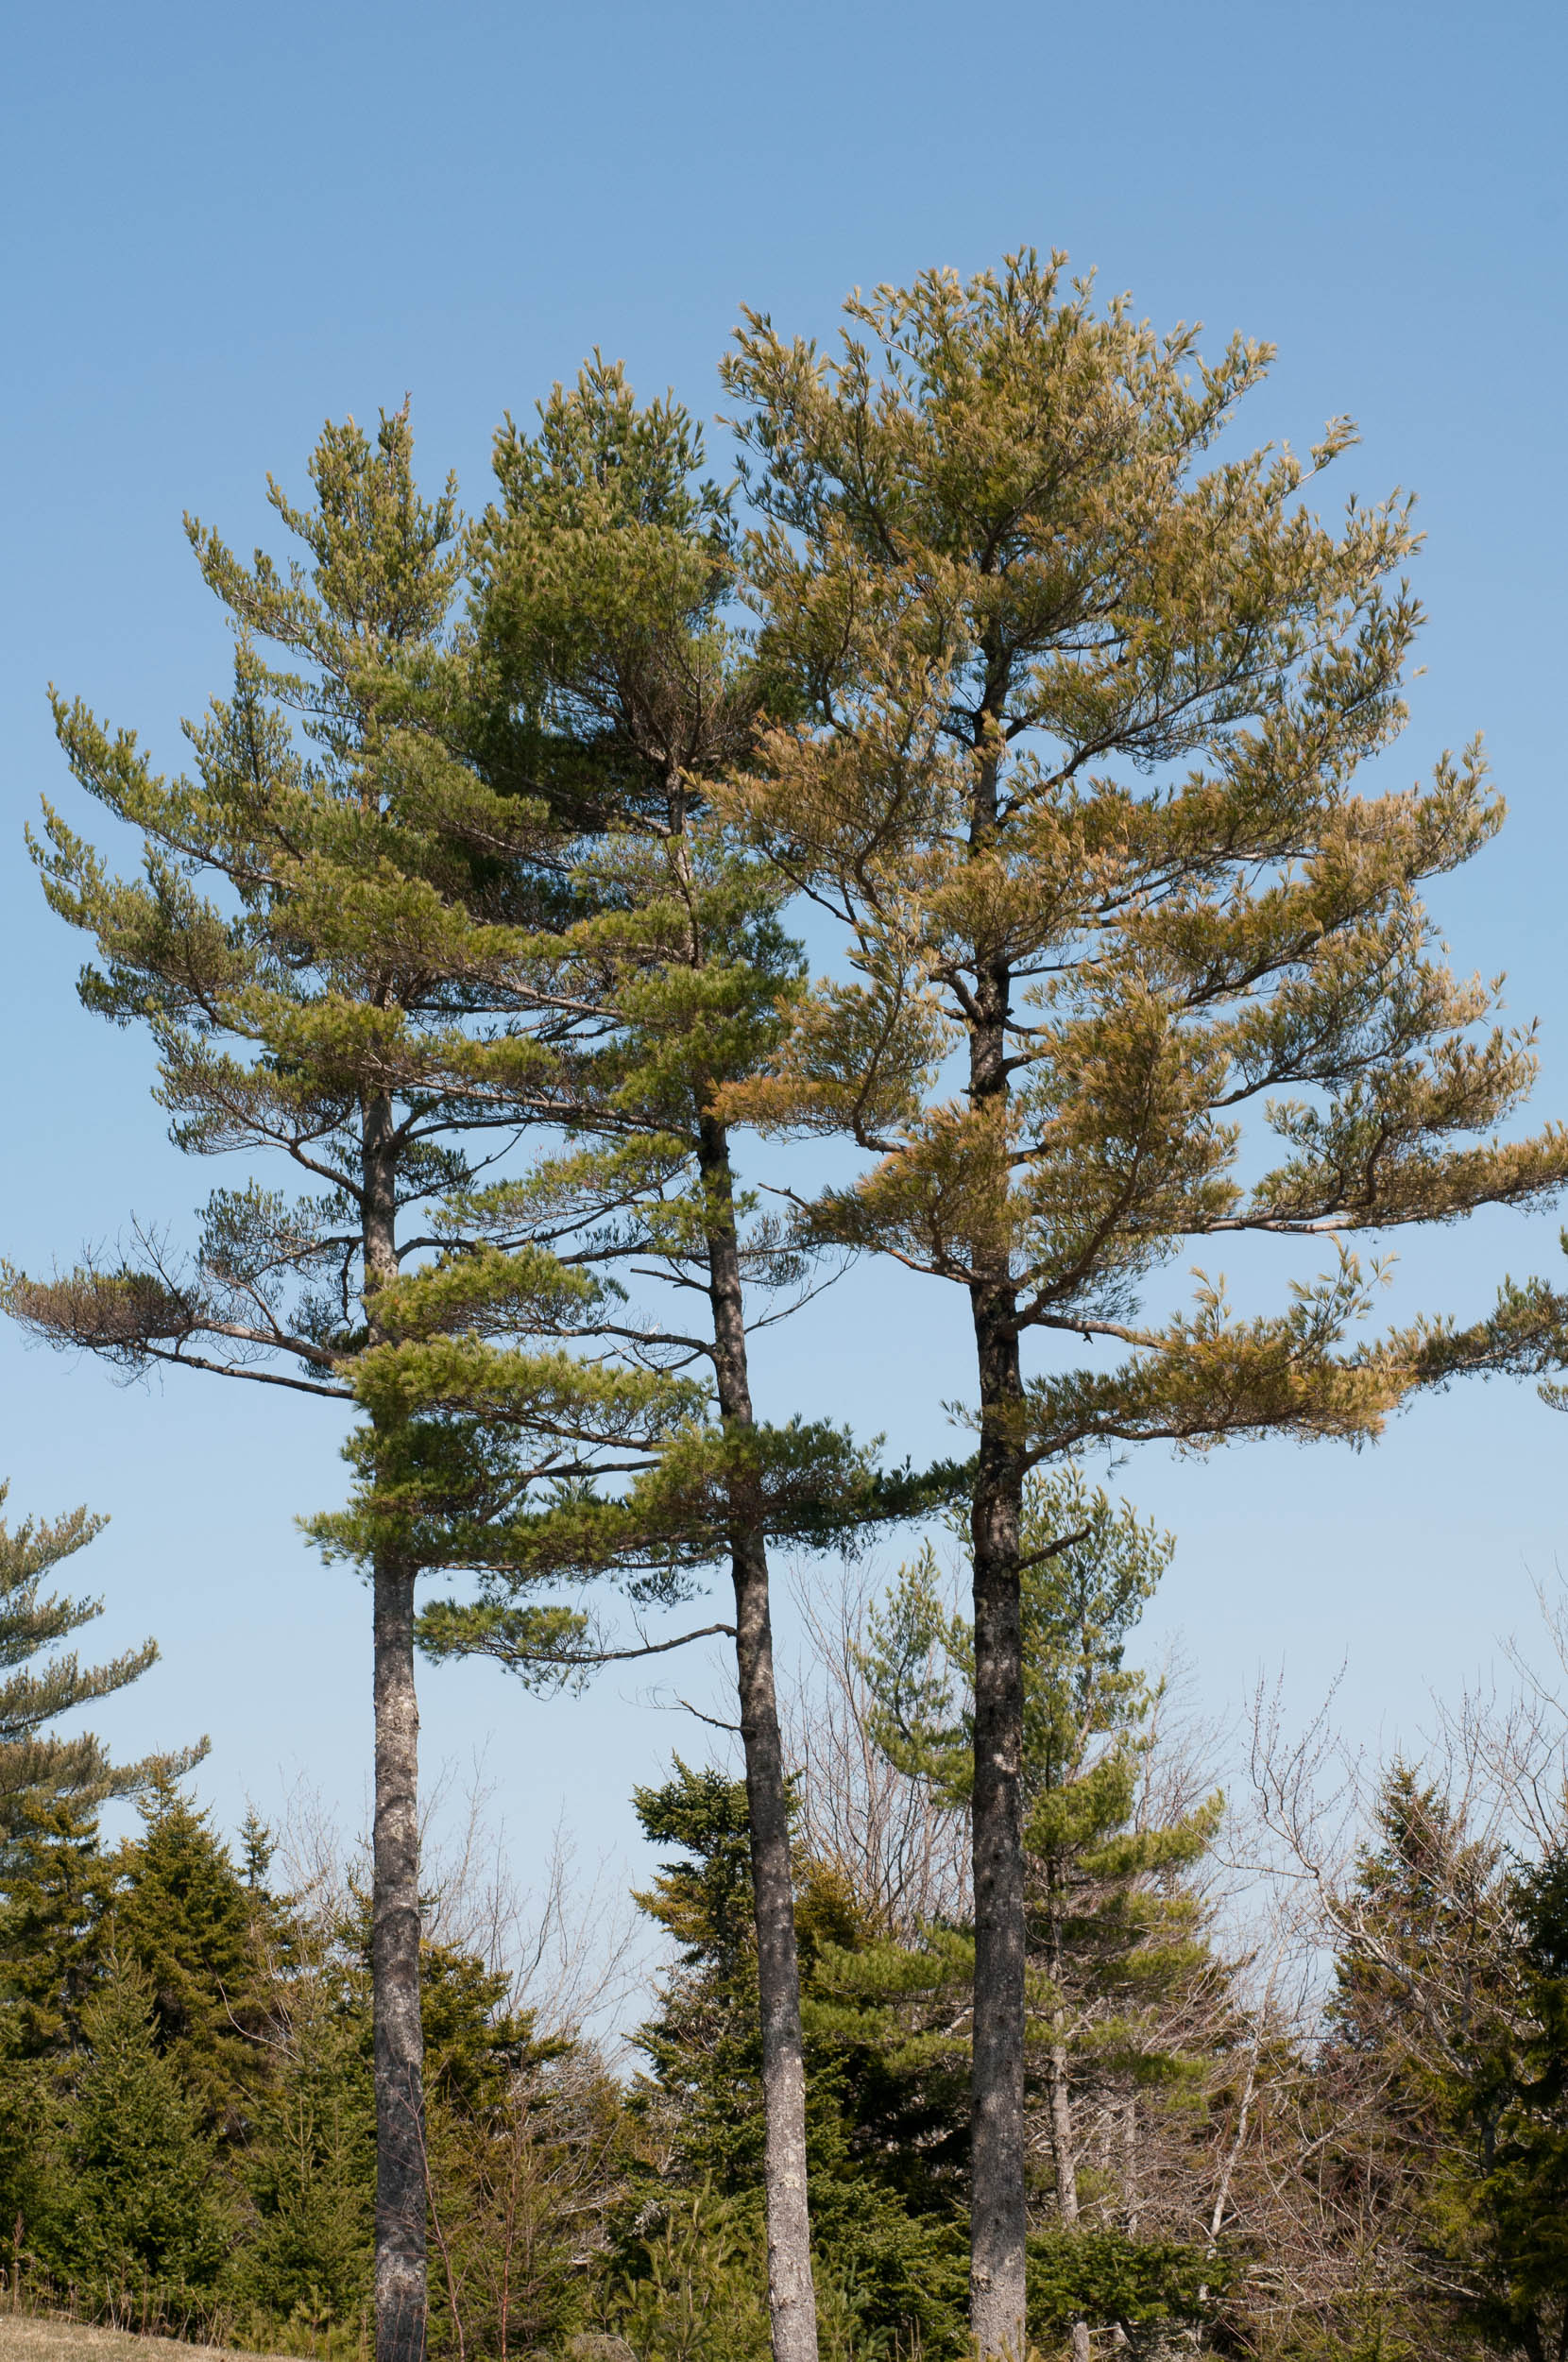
x: 1129, y: 958
x: 39, y: 1681
x: 608, y: 675
x: 324, y: 942
x: 1116, y: 1942
x: 1114, y: 1935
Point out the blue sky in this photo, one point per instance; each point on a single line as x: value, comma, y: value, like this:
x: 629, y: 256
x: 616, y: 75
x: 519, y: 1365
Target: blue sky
x: 224, y: 225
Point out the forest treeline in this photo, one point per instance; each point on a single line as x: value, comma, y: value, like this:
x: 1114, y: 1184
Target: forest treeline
x: 1297, y: 2066
x: 476, y: 915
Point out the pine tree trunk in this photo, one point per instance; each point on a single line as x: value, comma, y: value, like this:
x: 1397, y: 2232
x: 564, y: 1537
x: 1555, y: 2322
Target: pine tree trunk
x: 792, y: 2296
x: 998, y: 2215
x: 997, y: 2210
x: 394, y: 1981
x: 400, y: 2233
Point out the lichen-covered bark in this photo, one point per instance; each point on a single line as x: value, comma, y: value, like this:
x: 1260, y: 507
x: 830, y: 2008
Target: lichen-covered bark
x: 400, y: 2233
x: 401, y: 2299
x: 998, y: 2217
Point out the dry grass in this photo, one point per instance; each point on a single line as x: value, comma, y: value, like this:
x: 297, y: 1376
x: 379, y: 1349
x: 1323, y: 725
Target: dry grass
x: 29, y: 2338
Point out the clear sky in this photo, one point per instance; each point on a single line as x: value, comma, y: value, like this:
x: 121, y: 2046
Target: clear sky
x: 226, y: 224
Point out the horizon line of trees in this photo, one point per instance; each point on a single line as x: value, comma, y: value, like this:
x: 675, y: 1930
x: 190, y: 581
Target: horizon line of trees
x: 1319, y: 2113
x: 475, y: 907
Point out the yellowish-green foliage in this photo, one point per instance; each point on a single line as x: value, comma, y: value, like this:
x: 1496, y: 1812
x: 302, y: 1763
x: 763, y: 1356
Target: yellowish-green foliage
x: 1081, y: 714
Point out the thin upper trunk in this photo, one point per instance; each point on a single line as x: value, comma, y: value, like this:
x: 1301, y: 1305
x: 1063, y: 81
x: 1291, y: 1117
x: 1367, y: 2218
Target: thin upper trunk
x: 791, y: 2298
x: 400, y: 2237
x: 1066, y: 2168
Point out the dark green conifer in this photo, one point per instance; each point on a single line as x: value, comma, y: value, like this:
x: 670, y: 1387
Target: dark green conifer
x: 51, y: 1876
x: 179, y: 1913
x: 308, y: 2170
x: 146, y: 2209
x: 51, y: 1907
x: 1518, y: 2128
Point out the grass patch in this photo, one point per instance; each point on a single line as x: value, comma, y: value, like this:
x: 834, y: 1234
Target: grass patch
x: 40, y: 2337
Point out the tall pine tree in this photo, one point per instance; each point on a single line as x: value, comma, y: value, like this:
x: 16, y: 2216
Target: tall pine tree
x: 322, y: 944
x: 621, y: 690
x: 1074, y: 762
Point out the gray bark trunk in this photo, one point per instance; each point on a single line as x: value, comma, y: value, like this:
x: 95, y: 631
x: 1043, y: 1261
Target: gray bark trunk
x: 792, y: 2295
x: 401, y: 2299
x: 999, y: 2212
x: 401, y: 2233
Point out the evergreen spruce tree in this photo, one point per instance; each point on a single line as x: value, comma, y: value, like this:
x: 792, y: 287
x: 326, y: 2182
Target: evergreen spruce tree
x: 52, y: 1875
x: 1518, y: 2132
x: 323, y: 944
x: 1433, y: 2012
x: 180, y: 1914
x: 308, y: 2169
x: 146, y: 2217
x: 51, y: 1906
x: 1074, y: 761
